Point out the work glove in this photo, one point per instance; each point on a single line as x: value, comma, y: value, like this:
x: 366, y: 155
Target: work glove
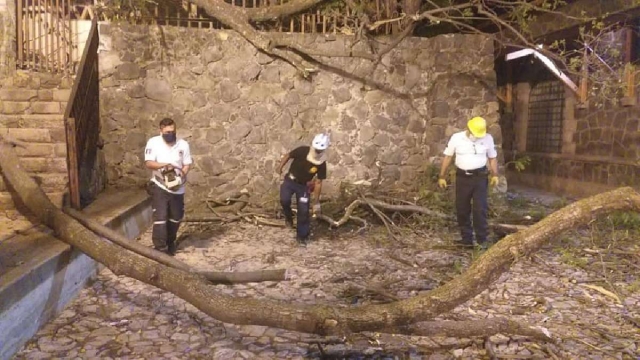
x: 442, y: 183
x: 494, y: 181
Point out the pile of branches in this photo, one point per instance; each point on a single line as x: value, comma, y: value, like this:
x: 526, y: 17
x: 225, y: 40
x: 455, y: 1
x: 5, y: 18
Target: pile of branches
x: 232, y: 209
x: 365, y: 205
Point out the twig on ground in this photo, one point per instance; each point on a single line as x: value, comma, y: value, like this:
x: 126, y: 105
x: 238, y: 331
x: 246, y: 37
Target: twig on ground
x: 385, y: 220
x: 375, y: 290
x: 594, y: 347
x: 632, y: 320
x: 488, y: 346
x: 551, y: 352
x: 401, y: 260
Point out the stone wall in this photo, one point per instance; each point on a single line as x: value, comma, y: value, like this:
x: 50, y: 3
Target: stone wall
x: 241, y: 110
x: 602, y: 151
x: 610, y: 132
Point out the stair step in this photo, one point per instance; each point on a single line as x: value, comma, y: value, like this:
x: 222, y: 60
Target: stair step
x: 46, y: 150
x: 39, y: 121
x: 6, y: 200
x: 48, y: 182
x: 21, y: 94
x: 34, y: 135
x: 44, y: 165
x: 32, y: 107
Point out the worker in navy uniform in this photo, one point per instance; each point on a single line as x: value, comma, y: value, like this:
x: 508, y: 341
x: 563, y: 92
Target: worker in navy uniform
x: 474, y: 149
x: 304, y: 179
x: 170, y: 160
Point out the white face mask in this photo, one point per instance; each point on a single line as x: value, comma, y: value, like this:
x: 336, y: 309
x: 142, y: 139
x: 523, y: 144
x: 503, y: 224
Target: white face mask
x: 472, y: 138
x: 316, y: 158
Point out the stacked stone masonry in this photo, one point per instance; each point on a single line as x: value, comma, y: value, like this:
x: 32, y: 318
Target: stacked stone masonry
x: 242, y: 110
x: 603, y: 172
x: 612, y: 132
x: 607, y: 153
x: 31, y: 112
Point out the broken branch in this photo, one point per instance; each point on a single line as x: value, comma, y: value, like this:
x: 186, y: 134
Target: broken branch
x: 473, y: 328
x: 244, y: 277
x: 164, y: 259
x: 273, y: 12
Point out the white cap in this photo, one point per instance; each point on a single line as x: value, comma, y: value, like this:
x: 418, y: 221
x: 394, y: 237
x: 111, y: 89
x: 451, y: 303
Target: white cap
x: 320, y: 142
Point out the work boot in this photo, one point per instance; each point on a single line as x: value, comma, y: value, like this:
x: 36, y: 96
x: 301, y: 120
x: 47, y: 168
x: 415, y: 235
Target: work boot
x: 481, y: 245
x: 160, y: 248
x: 288, y: 223
x: 302, y: 241
x: 465, y: 242
x: 172, y: 249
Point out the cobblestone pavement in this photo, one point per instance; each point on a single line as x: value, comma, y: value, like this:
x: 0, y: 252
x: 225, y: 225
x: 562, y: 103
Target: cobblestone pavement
x: 121, y: 318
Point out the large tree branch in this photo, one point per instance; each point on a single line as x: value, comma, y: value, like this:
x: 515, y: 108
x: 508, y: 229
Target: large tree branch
x: 238, y: 19
x: 274, y: 12
x: 473, y: 328
x: 162, y: 258
x: 320, y: 319
x: 287, y: 42
x: 440, y: 10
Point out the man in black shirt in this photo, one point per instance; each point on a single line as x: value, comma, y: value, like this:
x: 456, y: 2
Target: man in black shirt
x: 309, y: 162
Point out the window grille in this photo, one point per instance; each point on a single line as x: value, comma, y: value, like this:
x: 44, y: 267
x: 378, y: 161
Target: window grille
x: 546, y: 109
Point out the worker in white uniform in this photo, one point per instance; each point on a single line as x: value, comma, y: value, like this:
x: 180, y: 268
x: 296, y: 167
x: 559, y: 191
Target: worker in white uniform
x: 474, y: 149
x: 170, y: 160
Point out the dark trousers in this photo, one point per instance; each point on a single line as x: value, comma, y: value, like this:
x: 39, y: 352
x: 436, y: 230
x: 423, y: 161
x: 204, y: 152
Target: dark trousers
x: 471, y: 197
x: 168, y: 210
x: 287, y: 189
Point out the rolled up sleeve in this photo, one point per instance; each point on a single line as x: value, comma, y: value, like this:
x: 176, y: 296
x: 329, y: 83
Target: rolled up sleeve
x: 150, y: 152
x: 187, y: 160
x: 451, y: 147
x: 492, y: 153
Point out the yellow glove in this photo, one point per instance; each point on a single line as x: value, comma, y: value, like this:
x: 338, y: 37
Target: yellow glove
x: 494, y: 181
x: 442, y: 183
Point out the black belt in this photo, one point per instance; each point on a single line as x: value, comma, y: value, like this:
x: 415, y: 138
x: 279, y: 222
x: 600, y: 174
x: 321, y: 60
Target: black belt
x: 479, y: 171
x: 293, y: 178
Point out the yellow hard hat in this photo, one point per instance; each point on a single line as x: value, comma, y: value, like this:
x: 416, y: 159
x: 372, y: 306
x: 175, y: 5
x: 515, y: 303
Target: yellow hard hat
x: 477, y: 126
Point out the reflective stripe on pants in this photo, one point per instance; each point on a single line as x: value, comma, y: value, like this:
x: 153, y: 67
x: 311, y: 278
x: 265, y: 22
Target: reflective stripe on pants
x: 168, y: 210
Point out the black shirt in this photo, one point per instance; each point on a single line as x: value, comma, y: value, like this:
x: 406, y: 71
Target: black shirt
x: 302, y: 169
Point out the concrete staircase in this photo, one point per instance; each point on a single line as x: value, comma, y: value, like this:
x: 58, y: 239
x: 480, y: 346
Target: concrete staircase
x: 31, y: 111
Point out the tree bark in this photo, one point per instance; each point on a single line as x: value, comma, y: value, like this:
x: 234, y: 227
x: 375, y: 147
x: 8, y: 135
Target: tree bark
x: 274, y: 12
x: 319, y: 319
x: 472, y: 328
x: 244, y: 277
x: 164, y: 259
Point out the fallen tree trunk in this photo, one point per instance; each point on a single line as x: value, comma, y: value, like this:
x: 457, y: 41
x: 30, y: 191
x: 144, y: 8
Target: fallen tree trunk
x: 319, y: 319
x: 472, y: 328
x: 162, y: 258
x: 508, y: 228
x: 244, y: 277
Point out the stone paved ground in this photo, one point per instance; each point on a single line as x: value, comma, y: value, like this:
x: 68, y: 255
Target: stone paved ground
x: 121, y: 318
